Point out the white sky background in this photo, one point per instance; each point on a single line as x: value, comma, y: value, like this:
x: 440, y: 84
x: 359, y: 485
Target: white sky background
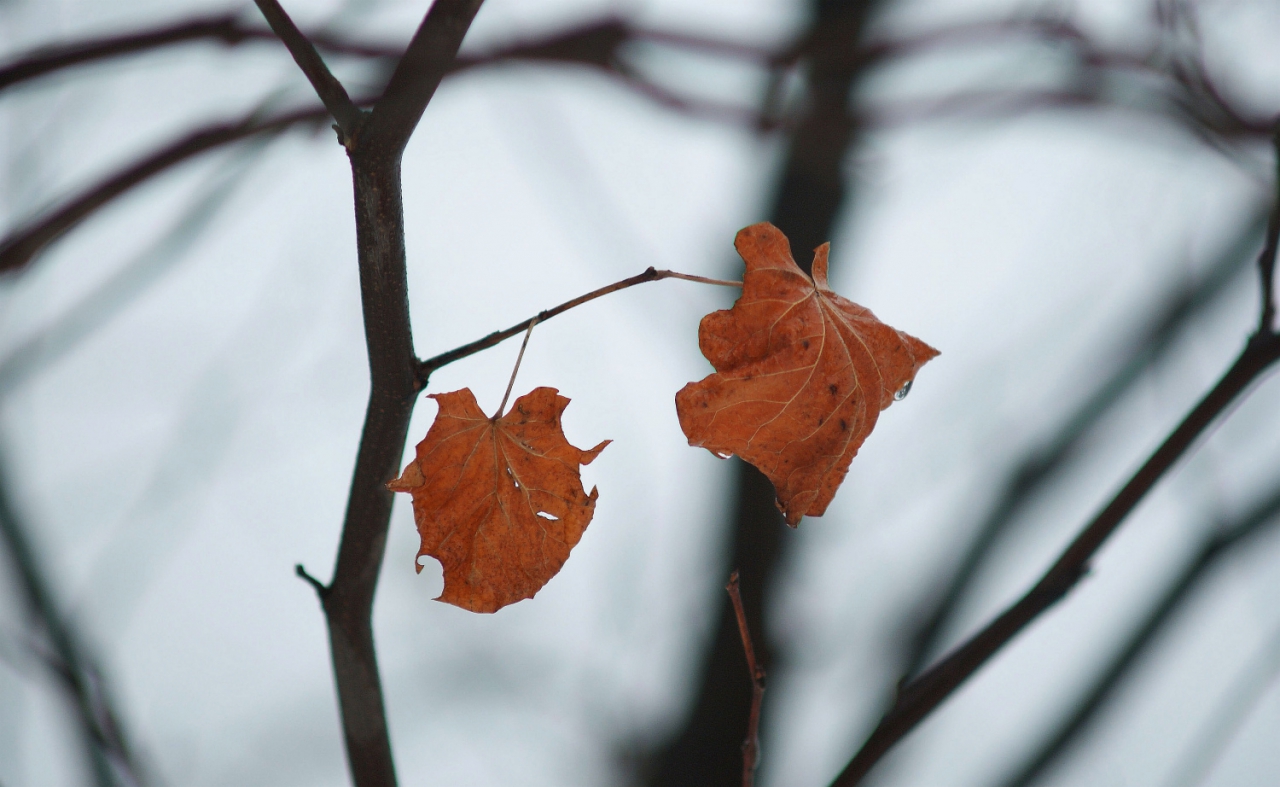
x: 178, y: 463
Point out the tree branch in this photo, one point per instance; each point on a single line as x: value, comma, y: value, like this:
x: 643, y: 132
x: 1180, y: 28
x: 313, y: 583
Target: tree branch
x: 425, y: 368
x: 1042, y: 462
x: 751, y: 745
x: 224, y: 27
x: 1256, y: 521
x: 1267, y: 259
x: 23, y: 244
x: 429, y: 57
x: 919, y: 697
x: 375, y: 153
x: 332, y: 94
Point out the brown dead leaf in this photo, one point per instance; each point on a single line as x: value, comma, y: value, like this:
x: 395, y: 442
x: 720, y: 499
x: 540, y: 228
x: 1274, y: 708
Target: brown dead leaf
x: 801, y: 375
x: 499, y: 502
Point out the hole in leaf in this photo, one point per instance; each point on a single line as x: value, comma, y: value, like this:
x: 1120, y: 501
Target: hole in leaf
x: 545, y: 515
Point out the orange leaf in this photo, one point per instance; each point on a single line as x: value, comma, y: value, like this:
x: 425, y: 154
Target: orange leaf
x: 801, y: 375
x: 498, y: 501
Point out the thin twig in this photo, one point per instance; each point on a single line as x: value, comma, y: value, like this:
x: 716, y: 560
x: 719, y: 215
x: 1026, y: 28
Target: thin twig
x: 425, y: 368
x: 332, y: 94
x: 751, y: 744
x: 321, y: 589
x: 515, y: 369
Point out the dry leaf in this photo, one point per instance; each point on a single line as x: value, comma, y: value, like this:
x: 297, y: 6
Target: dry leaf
x: 499, y: 502
x: 801, y: 375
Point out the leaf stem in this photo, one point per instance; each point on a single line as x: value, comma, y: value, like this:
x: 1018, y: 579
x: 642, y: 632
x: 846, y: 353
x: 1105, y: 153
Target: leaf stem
x: 511, y: 383
x: 425, y: 368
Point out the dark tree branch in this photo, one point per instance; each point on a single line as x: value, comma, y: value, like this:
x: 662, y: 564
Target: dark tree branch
x: 429, y: 57
x: 226, y: 29
x: 1042, y: 463
x: 331, y: 92
x: 1267, y: 259
x: 920, y: 696
x: 1263, y: 515
x: 811, y: 189
x: 597, y: 45
x: 375, y: 153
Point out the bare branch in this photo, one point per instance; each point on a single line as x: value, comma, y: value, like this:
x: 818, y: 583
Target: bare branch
x: 425, y: 368
x: 23, y: 244
x: 426, y: 61
x: 751, y: 745
x: 1267, y: 259
x: 132, y: 279
x: 1262, y: 517
x: 1042, y: 462
x: 920, y: 696
x: 332, y: 94
x: 101, y: 732
x: 224, y: 27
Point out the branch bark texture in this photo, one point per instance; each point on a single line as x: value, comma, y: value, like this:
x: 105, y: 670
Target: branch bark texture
x: 375, y: 146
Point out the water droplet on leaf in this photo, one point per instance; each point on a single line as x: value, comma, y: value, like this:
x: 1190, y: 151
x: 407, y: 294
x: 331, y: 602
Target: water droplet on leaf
x: 902, y: 392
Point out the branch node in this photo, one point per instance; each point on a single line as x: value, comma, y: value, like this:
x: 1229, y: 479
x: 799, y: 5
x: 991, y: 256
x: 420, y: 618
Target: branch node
x: 326, y: 85
x: 321, y: 589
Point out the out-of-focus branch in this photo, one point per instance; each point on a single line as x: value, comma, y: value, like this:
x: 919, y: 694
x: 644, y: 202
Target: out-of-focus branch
x: 106, y: 747
x: 1041, y: 464
x: 331, y: 92
x: 225, y: 28
x: 600, y: 45
x: 22, y: 245
x: 920, y: 696
x: 1262, y: 517
x: 130, y: 281
x: 1197, y: 762
x: 1271, y: 249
